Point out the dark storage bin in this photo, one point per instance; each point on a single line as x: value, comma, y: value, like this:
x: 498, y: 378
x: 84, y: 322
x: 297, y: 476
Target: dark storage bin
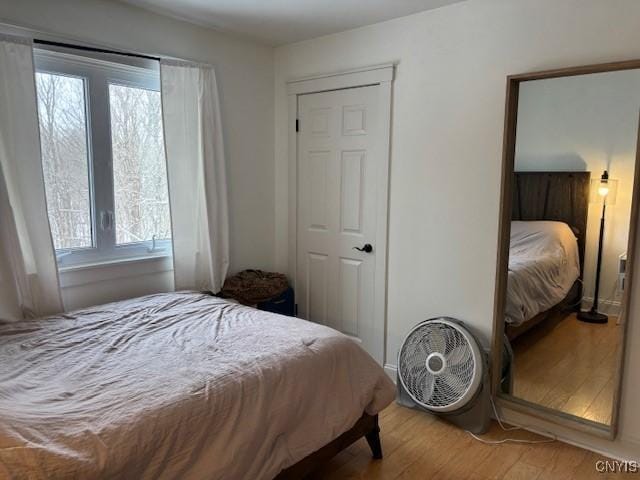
x: 283, y: 304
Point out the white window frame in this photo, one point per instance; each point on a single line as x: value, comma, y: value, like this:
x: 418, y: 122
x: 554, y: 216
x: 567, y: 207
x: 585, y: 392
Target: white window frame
x: 98, y: 75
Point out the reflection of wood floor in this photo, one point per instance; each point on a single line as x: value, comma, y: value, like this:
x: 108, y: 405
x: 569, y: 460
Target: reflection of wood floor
x: 416, y: 446
x: 568, y: 365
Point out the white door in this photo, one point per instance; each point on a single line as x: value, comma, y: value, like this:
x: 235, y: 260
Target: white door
x: 340, y: 158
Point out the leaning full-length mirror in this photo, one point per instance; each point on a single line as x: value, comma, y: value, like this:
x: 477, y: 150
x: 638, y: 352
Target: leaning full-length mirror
x: 565, y: 277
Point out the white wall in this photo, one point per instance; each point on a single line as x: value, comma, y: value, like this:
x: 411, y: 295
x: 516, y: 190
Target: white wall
x: 448, y: 113
x: 8, y: 307
x: 245, y: 79
x: 586, y: 123
x: 7, y: 291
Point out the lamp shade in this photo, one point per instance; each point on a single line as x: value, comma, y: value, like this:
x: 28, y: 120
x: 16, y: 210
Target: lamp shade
x: 603, y: 190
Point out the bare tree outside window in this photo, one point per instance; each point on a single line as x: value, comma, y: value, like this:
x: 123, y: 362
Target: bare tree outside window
x: 63, y: 138
x: 103, y: 159
x: 139, y: 168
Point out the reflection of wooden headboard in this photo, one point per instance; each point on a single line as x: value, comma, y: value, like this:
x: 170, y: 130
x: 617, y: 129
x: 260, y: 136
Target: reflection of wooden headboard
x: 558, y: 196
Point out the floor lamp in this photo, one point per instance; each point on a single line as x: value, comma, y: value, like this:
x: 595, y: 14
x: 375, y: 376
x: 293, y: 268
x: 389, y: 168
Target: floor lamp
x: 603, y: 192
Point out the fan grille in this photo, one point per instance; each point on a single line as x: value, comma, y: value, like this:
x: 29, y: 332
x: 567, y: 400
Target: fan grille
x: 432, y: 340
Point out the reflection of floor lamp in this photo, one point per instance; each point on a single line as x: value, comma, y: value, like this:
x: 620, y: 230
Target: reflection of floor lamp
x: 603, y: 192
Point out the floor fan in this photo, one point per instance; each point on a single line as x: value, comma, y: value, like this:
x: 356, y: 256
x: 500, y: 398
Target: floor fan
x: 443, y: 370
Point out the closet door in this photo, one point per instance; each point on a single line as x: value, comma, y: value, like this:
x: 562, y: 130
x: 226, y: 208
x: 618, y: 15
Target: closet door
x: 339, y: 160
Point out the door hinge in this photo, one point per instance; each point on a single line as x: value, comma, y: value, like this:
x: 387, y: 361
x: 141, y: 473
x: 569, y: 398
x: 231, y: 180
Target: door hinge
x: 297, y: 125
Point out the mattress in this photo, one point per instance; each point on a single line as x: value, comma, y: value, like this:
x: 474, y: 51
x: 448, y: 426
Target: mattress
x: 179, y: 385
x: 543, y: 266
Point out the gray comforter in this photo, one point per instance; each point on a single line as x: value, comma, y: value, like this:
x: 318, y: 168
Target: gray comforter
x: 180, y: 385
x: 543, y: 265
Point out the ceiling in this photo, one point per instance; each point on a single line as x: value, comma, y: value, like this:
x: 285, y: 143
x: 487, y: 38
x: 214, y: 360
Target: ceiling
x: 277, y: 22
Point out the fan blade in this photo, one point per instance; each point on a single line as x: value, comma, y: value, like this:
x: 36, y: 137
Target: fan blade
x: 416, y: 371
x: 454, y: 383
x: 436, y: 341
x: 424, y: 347
x: 412, y: 377
x: 419, y: 383
x: 450, y: 336
x: 459, y: 355
x: 413, y: 355
x: 427, y: 387
x: 417, y: 350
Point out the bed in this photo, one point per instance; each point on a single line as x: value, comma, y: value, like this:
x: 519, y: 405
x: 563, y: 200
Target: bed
x: 181, y: 385
x: 546, y: 255
x: 543, y: 266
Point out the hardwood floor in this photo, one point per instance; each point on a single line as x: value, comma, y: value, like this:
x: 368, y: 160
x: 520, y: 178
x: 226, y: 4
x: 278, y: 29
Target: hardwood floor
x: 419, y: 446
x: 568, y: 365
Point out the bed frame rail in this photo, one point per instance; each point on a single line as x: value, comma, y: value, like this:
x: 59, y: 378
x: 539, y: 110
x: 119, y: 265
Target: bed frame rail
x: 366, y: 427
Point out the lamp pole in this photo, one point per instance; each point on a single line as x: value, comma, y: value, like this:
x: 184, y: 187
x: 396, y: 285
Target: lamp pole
x: 593, y: 316
x: 594, y: 307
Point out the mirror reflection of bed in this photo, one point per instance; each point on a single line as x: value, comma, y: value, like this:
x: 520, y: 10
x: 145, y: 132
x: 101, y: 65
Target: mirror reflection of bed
x: 546, y: 261
x: 560, y: 362
x: 573, y: 167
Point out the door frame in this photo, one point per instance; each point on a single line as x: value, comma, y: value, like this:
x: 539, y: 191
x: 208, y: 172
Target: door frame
x: 376, y: 75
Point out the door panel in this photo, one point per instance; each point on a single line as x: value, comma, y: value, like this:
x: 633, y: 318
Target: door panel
x: 318, y: 166
x: 354, y: 120
x: 339, y: 160
x: 349, y: 293
x: 351, y: 194
x: 317, y: 282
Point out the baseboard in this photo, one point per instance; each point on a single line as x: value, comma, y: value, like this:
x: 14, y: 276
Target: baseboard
x: 613, y: 453
x: 391, y: 371
x: 631, y: 440
x: 609, y: 307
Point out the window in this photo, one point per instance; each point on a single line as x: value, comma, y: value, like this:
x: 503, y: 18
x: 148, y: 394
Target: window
x: 65, y: 161
x: 103, y: 158
x: 139, y: 169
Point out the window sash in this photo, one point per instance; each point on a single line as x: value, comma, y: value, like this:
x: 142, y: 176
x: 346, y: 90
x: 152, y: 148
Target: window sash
x: 89, y: 182
x: 98, y: 75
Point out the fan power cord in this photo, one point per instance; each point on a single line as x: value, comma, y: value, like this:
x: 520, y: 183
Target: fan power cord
x: 509, y: 429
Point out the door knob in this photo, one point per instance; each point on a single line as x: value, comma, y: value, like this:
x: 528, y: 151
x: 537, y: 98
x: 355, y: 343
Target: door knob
x: 366, y: 248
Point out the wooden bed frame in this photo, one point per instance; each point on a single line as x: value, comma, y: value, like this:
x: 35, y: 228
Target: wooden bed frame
x: 366, y: 426
x: 557, y: 196
x: 568, y: 303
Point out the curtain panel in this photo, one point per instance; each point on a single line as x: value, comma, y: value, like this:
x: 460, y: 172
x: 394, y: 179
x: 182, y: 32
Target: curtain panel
x: 29, y: 285
x: 197, y: 175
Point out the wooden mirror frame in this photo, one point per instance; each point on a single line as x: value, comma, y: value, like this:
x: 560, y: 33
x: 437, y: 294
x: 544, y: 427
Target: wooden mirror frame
x: 508, y: 159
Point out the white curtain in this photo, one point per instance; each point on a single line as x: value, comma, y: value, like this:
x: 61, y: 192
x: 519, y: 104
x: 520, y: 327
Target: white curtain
x: 197, y: 177
x: 28, y: 272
